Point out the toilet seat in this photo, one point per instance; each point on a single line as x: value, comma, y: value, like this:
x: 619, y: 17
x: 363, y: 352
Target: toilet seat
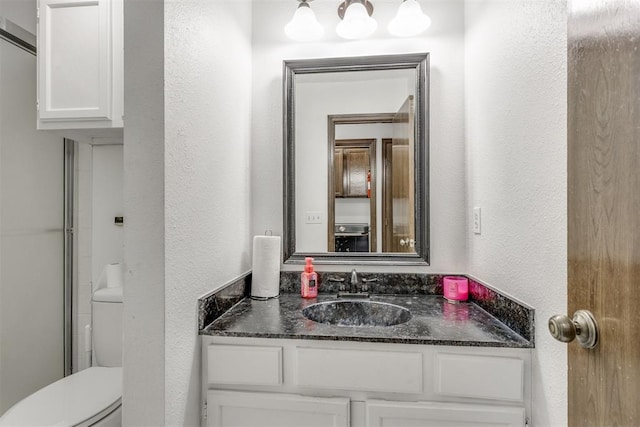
x: 81, y: 399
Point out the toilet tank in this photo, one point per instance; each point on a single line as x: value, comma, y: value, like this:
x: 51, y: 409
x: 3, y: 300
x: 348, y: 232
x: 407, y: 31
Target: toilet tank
x: 106, y: 312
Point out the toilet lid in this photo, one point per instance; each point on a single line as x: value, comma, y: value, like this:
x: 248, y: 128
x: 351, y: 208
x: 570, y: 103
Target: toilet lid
x: 71, y: 401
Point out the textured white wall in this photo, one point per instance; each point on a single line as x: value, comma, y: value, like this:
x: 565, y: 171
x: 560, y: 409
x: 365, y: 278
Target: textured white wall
x: 516, y: 135
x: 207, y: 184
x: 144, y: 233
x: 107, y: 203
x: 444, y: 40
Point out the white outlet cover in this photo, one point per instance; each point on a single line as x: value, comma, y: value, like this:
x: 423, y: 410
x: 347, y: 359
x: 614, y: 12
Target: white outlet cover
x: 477, y: 220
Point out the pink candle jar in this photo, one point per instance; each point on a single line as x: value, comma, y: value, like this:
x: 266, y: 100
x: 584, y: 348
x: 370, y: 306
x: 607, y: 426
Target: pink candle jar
x: 456, y: 288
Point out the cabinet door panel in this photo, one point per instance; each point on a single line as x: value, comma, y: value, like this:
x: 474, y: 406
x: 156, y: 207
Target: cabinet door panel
x: 474, y: 376
x: 356, y: 168
x: 236, y: 364
x: 432, y: 414
x: 239, y: 409
x: 74, y: 59
x: 384, y: 371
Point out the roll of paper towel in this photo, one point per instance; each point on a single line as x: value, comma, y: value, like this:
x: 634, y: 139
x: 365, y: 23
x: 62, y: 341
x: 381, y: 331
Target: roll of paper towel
x: 110, y: 277
x: 114, y: 275
x: 265, y: 277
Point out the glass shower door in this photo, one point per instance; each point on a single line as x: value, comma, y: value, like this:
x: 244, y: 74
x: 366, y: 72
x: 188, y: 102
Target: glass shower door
x: 31, y: 236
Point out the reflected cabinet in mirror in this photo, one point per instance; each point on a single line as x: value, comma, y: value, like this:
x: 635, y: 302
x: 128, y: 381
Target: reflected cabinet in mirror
x: 356, y: 160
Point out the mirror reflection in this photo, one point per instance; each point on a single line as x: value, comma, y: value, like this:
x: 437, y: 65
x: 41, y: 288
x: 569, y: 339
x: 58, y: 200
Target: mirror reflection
x: 360, y: 175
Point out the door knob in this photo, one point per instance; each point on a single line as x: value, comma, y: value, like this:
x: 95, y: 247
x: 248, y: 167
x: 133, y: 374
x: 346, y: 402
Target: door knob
x: 583, y: 326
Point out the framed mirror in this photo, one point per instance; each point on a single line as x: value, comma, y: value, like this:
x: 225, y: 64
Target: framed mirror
x: 356, y: 160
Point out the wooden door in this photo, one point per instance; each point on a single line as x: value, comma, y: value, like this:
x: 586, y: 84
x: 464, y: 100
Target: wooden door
x: 387, y: 189
x: 338, y: 172
x: 604, y: 208
x: 403, y: 179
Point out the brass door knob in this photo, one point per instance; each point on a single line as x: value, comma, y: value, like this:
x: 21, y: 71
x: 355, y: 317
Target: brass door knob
x: 583, y: 326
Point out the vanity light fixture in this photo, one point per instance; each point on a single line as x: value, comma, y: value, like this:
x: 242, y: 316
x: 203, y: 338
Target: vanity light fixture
x: 304, y: 26
x: 410, y: 20
x: 357, y: 22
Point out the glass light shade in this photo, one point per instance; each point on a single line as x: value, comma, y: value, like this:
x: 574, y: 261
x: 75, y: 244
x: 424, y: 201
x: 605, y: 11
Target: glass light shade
x: 409, y: 21
x: 304, y: 27
x: 357, y: 23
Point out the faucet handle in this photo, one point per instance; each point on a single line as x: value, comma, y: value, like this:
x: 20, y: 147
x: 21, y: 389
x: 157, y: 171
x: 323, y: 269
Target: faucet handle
x: 365, y: 283
x: 340, y: 280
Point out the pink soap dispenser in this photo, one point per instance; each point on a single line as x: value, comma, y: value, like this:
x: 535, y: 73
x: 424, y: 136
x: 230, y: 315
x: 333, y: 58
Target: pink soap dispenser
x: 309, y: 280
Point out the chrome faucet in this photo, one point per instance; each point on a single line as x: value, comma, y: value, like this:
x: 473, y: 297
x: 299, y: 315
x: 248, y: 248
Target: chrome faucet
x: 353, y: 291
x: 354, y: 281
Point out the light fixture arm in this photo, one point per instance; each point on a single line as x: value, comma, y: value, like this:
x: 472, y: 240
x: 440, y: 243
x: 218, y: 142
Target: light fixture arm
x: 346, y: 3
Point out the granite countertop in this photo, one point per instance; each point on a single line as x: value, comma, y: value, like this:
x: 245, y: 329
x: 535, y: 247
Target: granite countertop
x: 434, y: 321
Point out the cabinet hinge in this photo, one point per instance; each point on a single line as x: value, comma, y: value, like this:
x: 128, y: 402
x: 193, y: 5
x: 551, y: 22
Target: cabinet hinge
x: 37, y: 13
x: 526, y: 422
x: 37, y: 105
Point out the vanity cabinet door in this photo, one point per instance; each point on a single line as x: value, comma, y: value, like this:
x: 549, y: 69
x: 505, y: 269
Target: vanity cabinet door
x: 240, y: 409
x: 80, y: 64
x: 435, y: 414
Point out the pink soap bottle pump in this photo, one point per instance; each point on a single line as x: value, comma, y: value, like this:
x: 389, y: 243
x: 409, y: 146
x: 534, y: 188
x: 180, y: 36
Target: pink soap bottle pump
x: 309, y: 280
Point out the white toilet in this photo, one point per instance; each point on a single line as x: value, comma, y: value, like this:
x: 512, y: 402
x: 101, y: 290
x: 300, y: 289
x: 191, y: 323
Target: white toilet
x: 92, y: 397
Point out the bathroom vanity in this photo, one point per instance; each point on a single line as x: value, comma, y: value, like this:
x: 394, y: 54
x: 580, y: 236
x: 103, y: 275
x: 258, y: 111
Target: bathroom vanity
x: 265, y: 363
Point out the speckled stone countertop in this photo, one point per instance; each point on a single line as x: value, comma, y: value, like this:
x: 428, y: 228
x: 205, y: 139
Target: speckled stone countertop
x: 434, y: 321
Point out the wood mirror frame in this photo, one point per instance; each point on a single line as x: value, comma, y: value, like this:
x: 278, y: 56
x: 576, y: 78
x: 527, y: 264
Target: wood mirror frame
x: 418, y: 62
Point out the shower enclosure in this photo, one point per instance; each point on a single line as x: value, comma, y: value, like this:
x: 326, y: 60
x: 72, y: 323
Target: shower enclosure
x: 35, y: 223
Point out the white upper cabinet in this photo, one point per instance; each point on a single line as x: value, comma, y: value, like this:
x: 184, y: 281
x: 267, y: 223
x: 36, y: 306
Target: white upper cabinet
x: 80, y: 64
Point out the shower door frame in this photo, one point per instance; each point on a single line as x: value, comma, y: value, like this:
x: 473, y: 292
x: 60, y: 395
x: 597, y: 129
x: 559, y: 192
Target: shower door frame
x: 69, y: 191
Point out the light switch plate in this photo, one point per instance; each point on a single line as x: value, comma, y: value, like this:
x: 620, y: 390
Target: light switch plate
x: 313, y: 218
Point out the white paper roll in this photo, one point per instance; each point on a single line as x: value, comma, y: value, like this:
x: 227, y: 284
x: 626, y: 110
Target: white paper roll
x: 114, y: 275
x: 265, y: 277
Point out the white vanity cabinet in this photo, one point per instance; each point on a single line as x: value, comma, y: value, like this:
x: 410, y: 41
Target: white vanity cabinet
x: 282, y: 382
x: 80, y: 64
